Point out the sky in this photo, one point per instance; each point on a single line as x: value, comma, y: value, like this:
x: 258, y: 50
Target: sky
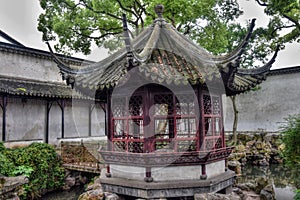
x: 18, y: 18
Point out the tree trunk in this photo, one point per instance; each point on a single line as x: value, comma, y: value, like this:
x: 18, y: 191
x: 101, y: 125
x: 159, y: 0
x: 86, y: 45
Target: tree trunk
x: 235, y: 119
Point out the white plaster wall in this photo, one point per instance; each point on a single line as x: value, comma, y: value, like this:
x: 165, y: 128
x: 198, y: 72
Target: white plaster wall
x: 267, y: 107
x: 215, y: 168
x: 25, y: 120
x: 176, y: 173
x: 127, y: 172
x: 17, y: 65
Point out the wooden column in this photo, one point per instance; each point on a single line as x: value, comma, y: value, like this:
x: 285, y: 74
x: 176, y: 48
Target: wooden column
x: 201, y: 120
x: 109, y: 122
x: 203, y: 172
x: 148, y: 177
x: 3, y: 106
x: 48, y: 108
x: 62, y: 107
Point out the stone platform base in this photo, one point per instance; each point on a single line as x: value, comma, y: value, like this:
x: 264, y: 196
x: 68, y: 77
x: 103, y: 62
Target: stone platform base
x: 168, y: 189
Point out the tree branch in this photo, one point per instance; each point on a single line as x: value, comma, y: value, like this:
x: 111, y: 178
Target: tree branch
x: 261, y: 3
x: 126, y: 9
x: 280, y: 28
x: 96, y: 37
x: 103, y: 12
x: 296, y: 22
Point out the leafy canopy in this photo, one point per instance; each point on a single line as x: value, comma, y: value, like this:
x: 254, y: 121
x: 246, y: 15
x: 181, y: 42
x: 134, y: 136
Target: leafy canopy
x: 77, y: 24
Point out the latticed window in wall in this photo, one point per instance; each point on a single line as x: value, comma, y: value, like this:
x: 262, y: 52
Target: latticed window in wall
x: 212, y: 123
x: 175, y: 122
x: 127, y: 119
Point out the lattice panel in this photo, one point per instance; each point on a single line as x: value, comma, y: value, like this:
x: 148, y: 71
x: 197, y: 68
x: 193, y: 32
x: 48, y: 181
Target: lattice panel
x: 216, y: 105
x: 119, y: 107
x: 135, y: 147
x: 209, y: 144
x: 185, y: 104
x: 119, y: 146
x: 163, y: 104
x: 136, y: 106
x: 219, y: 143
x: 163, y: 145
x: 207, y: 108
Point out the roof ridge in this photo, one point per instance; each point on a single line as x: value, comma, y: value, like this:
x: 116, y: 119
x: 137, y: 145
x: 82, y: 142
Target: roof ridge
x: 10, y: 39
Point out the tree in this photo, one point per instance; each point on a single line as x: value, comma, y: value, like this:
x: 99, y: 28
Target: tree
x: 76, y: 24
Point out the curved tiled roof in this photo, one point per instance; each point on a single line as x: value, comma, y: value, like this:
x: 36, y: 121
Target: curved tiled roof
x: 34, y: 88
x: 162, y: 54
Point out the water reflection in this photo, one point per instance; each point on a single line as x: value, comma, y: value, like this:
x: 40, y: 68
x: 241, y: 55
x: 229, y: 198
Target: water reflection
x: 72, y: 194
x: 284, y: 179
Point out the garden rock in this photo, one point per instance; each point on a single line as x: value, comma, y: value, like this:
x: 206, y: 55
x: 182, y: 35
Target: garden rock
x: 235, y: 166
x: 267, y: 193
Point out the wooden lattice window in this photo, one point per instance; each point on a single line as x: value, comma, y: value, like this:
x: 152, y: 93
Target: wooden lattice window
x: 212, y: 123
x: 175, y: 122
x: 127, y: 124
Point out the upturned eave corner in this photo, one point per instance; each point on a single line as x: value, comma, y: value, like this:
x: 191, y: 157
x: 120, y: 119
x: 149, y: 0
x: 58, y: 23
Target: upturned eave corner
x: 67, y: 72
x: 239, y: 80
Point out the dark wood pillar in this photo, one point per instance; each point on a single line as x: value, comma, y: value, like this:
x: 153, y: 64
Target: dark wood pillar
x: 109, y: 122
x: 62, y: 107
x: 201, y: 120
x: 203, y: 172
x: 148, y: 177
x: 3, y: 106
x: 48, y: 108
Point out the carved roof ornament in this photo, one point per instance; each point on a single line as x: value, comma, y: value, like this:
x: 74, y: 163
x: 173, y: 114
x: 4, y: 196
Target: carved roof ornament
x: 159, y: 10
x: 163, y: 54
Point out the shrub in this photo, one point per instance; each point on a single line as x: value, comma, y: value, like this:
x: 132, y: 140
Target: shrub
x: 6, y: 166
x: 297, y: 196
x: 291, y: 139
x: 39, y: 162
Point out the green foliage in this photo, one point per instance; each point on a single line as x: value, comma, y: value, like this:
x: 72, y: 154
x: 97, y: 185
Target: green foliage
x: 2, y: 147
x: 78, y: 24
x: 297, y: 196
x: 39, y: 162
x: 22, y: 170
x: 283, y: 28
x: 6, y: 165
x: 291, y: 138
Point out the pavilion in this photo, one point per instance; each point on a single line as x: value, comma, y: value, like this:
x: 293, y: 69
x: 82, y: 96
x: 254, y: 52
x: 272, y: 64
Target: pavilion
x: 164, y: 119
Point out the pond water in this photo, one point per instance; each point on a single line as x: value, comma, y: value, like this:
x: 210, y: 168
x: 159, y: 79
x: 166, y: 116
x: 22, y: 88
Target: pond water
x: 285, y: 180
x: 73, y: 194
